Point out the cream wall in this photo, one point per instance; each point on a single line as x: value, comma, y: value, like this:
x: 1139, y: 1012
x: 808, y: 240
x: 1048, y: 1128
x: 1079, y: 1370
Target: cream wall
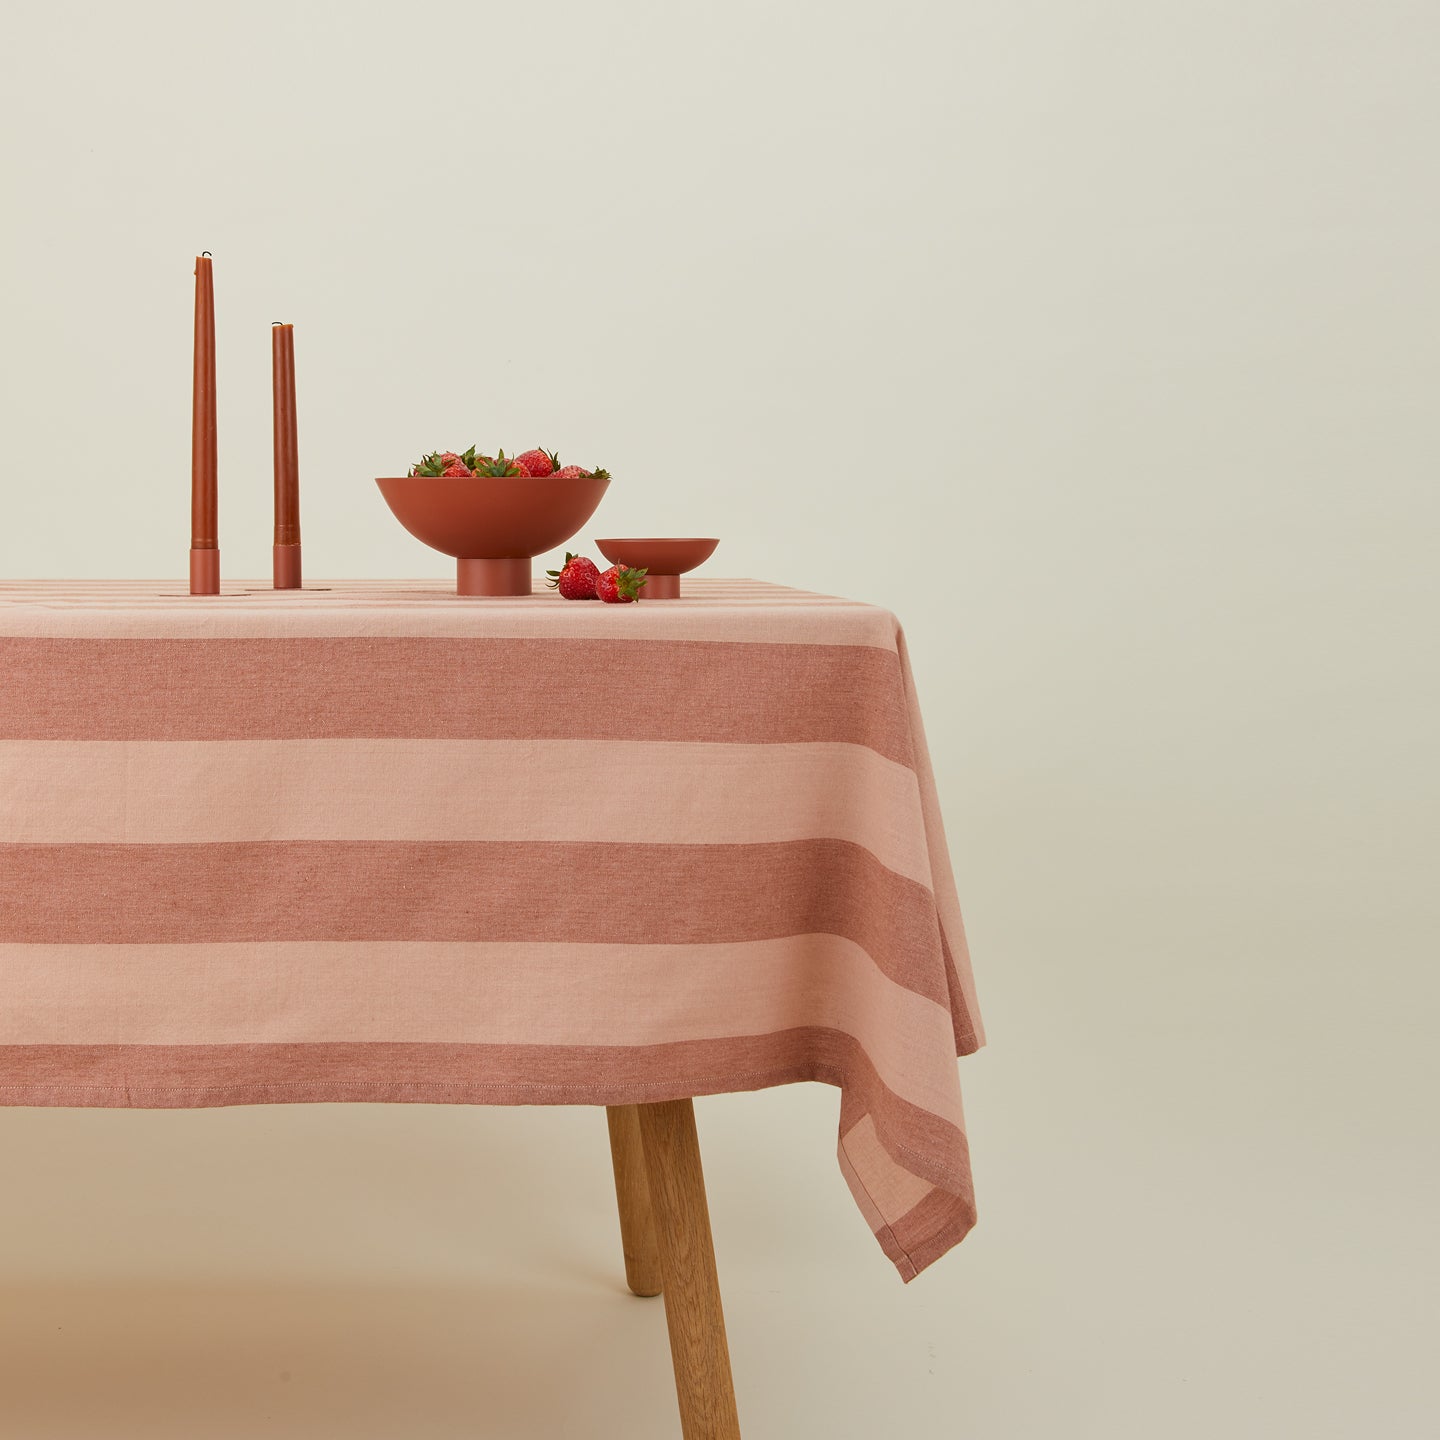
x: 1097, y: 340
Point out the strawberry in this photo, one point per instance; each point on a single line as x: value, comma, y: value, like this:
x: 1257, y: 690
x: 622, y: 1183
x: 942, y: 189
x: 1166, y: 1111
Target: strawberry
x: 529, y: 463
x: 575, y: 580
x: 538, y: 462
x: 456, y: 471
x: 439, y: 462
x: 500, y: 466
x: 619, y: 584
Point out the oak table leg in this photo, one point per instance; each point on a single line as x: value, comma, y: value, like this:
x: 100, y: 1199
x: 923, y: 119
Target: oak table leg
x: 632, y: 1195
x: 687, y: 1268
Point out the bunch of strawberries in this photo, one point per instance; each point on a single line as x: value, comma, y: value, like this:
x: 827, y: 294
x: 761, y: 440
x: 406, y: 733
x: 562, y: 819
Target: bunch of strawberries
x: 580, y: 578
x: 537, y: 463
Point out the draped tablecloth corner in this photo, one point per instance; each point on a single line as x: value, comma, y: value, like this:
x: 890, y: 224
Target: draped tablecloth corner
x: 375, y: 842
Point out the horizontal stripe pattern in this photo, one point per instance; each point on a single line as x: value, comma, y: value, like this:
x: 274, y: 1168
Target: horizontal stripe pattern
x: 452, y: 891
x: 475, y: 689
x: 379, y: 842
x: 489, y: 994
x: 136, y: 792
x: 748, y: 611
x: 185, y: 1076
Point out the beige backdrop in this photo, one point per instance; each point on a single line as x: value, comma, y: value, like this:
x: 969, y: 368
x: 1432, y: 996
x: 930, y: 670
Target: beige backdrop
x: 1100, y: 341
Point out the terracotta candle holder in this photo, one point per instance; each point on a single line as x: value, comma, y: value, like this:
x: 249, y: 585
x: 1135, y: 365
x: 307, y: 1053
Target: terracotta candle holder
x: 666, y: 560
x: 204, y: 521
x: 286, y: 561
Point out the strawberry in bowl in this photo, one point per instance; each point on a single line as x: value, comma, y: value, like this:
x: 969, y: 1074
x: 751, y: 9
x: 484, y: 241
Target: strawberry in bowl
x: 493, y: 513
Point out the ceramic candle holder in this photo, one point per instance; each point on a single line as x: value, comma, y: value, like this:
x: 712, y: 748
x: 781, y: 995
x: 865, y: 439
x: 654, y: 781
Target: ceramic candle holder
x: 493, y: 525
x: 666, y: 560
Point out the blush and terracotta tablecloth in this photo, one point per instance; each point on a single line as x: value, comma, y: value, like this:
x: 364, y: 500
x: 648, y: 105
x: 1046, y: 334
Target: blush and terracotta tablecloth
x: 373, y: 842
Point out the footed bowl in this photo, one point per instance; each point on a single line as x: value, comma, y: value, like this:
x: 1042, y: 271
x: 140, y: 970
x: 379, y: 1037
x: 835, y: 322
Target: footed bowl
x: 493, y: 525
x: 666, y: 560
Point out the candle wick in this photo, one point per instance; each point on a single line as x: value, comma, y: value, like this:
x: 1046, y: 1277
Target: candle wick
x: 206, y: 252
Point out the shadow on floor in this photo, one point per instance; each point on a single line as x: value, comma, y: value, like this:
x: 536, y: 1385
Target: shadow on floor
x: 227, y: 1360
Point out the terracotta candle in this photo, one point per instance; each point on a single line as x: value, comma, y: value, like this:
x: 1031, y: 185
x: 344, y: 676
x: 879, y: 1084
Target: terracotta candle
x: 287, y: 459
x: 204, y: 502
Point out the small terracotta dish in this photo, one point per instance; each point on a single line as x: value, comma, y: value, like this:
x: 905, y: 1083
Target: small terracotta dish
x: 493, y: 525
x: 666, y: 561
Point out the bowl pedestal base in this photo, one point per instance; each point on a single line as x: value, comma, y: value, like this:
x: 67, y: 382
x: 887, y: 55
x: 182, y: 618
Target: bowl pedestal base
x: 661, y: 587
x: 492, y: 577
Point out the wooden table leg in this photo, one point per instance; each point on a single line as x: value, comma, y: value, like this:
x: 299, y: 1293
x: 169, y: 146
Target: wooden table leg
x: 687, y: 1268
x: 632, y: 1195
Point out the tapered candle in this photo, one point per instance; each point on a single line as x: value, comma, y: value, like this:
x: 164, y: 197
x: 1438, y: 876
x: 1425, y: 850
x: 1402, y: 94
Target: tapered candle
x: 204, y: 501
x: 287, y: 459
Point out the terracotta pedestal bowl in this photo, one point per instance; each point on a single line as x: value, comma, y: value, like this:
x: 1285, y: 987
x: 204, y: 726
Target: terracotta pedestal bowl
x: 666, y: 560
x: 493, y: 525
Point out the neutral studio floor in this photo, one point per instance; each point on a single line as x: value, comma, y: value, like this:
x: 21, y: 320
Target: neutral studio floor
x: 340, y: 1273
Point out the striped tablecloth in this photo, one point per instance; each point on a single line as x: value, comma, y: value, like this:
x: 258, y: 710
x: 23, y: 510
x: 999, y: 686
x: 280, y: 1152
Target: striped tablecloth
x: 377, y: 842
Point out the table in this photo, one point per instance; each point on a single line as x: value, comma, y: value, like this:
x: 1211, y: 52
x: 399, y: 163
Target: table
x: 375, y: 842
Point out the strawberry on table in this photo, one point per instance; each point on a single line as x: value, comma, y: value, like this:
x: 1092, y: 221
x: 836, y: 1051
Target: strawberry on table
x: 575, y: 580
x: 620, y: 584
